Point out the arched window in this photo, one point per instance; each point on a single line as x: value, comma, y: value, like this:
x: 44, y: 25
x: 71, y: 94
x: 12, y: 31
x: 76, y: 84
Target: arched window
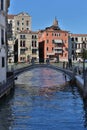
x: 32, y: 43
x: 35, y: 36
x: 47, y: 48
x: 35, y: 43
x: 21, y: 43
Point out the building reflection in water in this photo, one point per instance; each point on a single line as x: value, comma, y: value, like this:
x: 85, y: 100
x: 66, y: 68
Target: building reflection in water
x: 85, y: 112
x: 41, y: 91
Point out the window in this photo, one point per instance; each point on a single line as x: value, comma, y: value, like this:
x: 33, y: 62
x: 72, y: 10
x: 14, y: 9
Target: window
x: 82, y: 39
x: 20, y: 43
x: 78, y: 46
x: 32, y: 43
x: 58, y: 34
x: 22, y: 59
x: 17, y: 28
x: 34, y: 51
x: 10, y: 21
x: 27, y: 28
x: 72, y: 39
x: 65, y: 55
x: 2, y: 4
x: 76, y: 39
x: 32, y: 36
x: 35, y: 36
x: 23, y: 43
x: 18, y: 23
x: 52, y: 48
x: 47, y: 41
x: 75, y: 46
x: 3, y: 61
x: 27, y: 23
x: 47, y: 34
x: 22, y: 51
x: 35, y: 43
x: 52, y: 41
x: 47, y: 48
x: 2, y: 36
x: 22, y: 37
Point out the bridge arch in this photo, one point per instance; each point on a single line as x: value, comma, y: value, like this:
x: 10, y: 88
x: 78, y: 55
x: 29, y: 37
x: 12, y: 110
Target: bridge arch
x: 30, y: 67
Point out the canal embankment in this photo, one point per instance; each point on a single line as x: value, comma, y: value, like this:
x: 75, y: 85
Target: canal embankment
x: 81, y: 83
x: 6, y: 88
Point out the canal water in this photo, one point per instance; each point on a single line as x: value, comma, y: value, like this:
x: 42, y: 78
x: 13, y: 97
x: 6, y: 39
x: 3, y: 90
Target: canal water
x: 43, y: 100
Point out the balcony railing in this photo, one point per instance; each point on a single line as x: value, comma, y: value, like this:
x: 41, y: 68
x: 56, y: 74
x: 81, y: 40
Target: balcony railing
x: 78, y: 50
x: 58, y: 48
x: 34, y: 47
x: 58, y: 52
x: 58, y: 41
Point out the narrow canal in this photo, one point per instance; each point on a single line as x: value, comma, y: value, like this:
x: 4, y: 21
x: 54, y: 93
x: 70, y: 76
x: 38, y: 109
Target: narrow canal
x: 42, y: 101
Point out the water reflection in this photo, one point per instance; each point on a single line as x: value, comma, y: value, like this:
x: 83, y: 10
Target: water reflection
x: 85, y: 112
x: 6, y: 113
x: 42, y: 81
x: 42, y: 101
x: 41, y: 78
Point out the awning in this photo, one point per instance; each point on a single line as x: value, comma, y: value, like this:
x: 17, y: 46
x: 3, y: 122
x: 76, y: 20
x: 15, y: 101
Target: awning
x: 50, y: 53
x: 58, y: 41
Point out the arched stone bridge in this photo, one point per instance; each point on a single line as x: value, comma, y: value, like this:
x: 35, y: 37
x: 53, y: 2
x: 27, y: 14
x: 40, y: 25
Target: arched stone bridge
x: 30, y: 67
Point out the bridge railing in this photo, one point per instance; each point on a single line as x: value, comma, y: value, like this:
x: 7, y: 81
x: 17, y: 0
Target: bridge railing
x: 64, y: 65
x: 15, y: 66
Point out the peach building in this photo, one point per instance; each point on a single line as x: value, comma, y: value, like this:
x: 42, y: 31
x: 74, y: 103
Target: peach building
x: 53, y: 43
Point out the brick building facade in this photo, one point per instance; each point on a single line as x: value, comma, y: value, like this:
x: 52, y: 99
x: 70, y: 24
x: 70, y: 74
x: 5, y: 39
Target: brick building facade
x: 55, y: 42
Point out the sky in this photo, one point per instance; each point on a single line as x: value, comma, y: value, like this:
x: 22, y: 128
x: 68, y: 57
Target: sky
x: 71, y: 14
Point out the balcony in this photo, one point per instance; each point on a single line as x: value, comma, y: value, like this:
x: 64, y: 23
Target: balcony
x: 23, y: 48
x: 78, y: 50
x: 58, y: 48
x: 58, y: 52
x: 58, y: 41
x: 51, y: 54
x: 36, y: 48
